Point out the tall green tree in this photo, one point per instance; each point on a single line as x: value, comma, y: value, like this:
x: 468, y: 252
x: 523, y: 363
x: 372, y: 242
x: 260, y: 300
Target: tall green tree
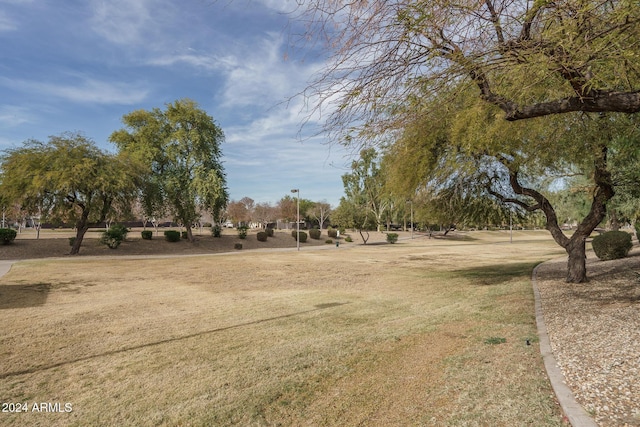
x: 68, y: 179
x: 180, y: 148
x: 364, y: 186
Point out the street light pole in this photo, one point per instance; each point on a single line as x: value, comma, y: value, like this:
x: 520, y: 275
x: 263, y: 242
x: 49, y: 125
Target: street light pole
x: 411, y: 204
x: 297, y: 191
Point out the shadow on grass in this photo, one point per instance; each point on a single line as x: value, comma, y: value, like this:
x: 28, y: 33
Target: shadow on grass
x: 24, y: 296
x: 495, y: 274
x: 35, y: 369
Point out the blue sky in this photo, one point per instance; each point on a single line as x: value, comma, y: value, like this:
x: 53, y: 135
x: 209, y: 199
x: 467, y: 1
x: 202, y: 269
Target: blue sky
x: 80, y: 65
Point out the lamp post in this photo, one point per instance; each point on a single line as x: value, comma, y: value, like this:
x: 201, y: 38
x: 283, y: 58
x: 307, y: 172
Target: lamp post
x: 297, y: 191
x: 411, y: 205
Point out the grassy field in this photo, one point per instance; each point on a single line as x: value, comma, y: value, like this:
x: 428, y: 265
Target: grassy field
x: 423, y: 332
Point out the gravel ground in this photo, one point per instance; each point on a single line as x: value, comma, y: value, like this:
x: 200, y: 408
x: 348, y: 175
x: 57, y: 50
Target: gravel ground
x: 594, y: 329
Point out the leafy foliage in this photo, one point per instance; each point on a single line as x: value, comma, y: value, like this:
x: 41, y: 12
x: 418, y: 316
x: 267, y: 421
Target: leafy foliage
x: 216, y: 230
x: 261, y: 236
x: 68, y: 179
x: 392, y: 237
x: 612, y: 245
x: 115, y: 235
x: 315, y: 233
x: 242, y: 232
x: 172, y: 236
x: 180, y: 148
x: 7, y: 235
x: 147, y: 234
x: 302, y: 234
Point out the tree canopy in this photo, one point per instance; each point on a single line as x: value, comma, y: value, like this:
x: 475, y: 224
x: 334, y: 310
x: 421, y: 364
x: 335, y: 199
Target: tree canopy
x: 68, y: 179
x: 529, y: 58
x: 180, y: 148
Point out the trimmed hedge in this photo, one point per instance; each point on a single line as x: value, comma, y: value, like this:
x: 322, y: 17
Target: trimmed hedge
x: 269, y: 231
x: 392, y: 237
x: 172, y: 236
x: 303, y: 236
x: 314, y: 233
x: 262, y: 236
x: 612, y: 245
x: 147, y: 234
x: 7, y: 235
x: 332, y: 232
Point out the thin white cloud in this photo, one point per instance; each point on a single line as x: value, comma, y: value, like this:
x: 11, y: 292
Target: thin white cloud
x: 6, y: 23
x: 83, y: 90
x: 129, y: 22
x: 13, y: 116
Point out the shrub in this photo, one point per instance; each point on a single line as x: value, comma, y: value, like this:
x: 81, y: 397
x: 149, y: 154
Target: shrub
x: 269, y: 231
x: 348, y: 239
x: 612, y: 245
x: 392, y: 237
x: 242, y: 232
x: 637, y: 227
x: 303, y: 236
x: 7, y: 235
x: 332, y: 232
x: 262, y: 236
x: 72, y: 240
x: 115, y: 235
x: 314, y: 233
x: 216, y: 231
x: 185, y: 235
x: 237, y: 246
x: 328, y: 241
x: 172, y: 236
x: 147, y: 234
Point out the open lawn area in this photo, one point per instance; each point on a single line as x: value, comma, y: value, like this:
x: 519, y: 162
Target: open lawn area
x: 422, y: 332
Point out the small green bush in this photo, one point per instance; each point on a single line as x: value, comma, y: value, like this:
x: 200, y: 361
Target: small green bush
x: 147, y: 234
x: 7, y: 235
x: 392, y: 237
x: 172, y: 236
x: 72, y: 240
x: 303, y: 236
x: 237, y: 246
x: 269, y: 231
x: 314, y: 233
x: 115, y: 235
x: 262, y: 236
x: 328, y: 241
x: 332, y: 232
x: 348, y: 239
x: 242, y: 232
x: 612, y: 245
x: 216, y: 231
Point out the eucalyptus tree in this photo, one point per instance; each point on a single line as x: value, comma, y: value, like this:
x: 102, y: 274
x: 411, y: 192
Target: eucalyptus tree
x: 180, y: 148
x: 68, y: 179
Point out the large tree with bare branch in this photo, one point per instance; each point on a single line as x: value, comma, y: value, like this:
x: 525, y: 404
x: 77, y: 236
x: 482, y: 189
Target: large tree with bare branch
x: 526, y: 58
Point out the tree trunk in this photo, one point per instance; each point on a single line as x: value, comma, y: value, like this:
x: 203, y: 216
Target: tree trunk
x: 577, y: 263
x: 81, y: 226
x: 189, y: 234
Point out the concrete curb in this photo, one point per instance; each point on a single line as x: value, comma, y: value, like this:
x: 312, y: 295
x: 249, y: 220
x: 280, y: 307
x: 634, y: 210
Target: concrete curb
x: 5, y: 266
x: 575, y: 413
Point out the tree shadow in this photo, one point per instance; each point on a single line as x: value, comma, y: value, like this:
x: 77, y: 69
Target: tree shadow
x: 23, y: 296
x: 495, y: 274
